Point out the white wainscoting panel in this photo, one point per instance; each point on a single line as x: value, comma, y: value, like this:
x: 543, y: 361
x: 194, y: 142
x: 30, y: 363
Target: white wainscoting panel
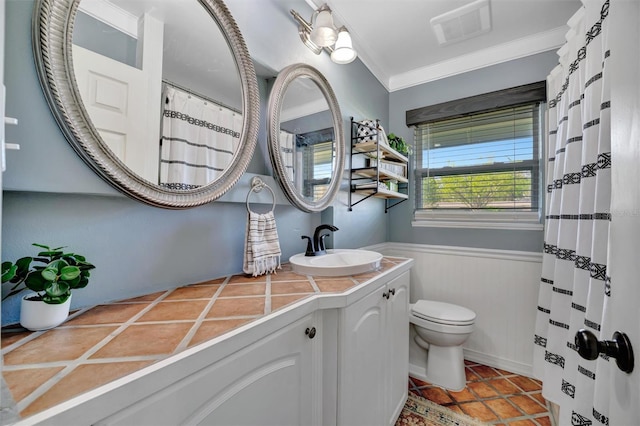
x: 500, y: 286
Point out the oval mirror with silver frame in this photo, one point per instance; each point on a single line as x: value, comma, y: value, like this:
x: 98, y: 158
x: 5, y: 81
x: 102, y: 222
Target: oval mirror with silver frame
x: 306, y: 139
x: 58, y: 60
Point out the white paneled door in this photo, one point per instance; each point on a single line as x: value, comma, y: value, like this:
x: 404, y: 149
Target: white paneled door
x: 625, y: 203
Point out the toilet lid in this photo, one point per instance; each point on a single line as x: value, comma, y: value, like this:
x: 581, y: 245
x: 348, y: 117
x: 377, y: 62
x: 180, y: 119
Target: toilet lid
x: 443, y: 313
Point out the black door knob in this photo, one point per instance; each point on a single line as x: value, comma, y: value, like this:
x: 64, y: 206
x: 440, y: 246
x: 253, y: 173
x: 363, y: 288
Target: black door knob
x: 311, y: 332
x: 619, y: 348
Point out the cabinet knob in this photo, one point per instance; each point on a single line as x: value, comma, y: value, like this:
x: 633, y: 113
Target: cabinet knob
x: 619, y: 348
x: 392, y: 291
x: 311, y: 332
x: 385, y: 294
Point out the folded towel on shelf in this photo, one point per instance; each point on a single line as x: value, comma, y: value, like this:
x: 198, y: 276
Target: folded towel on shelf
x: 262, y: 247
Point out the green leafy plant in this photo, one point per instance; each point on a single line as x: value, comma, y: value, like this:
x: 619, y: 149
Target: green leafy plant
x: 51, y: 275
x: 398, y: 143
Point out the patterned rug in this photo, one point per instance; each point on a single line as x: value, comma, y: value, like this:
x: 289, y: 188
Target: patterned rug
x: 422, y: 412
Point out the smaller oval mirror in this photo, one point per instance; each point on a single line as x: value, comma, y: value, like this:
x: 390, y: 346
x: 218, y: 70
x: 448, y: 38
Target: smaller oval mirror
x: 306, y: 142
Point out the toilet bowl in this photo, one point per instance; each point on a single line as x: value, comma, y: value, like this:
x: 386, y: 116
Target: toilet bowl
x: 442, y: 328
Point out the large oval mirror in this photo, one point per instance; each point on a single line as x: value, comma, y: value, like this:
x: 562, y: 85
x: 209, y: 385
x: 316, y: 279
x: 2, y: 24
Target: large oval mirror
x: 306, y: 142
x: 159, y: 97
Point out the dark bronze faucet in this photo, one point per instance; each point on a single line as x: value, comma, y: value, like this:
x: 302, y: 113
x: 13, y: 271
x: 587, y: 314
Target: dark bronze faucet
x: 316, y: 247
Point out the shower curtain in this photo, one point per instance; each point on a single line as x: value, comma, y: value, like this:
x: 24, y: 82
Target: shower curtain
x: 199, y: 140
x: 575, y: 283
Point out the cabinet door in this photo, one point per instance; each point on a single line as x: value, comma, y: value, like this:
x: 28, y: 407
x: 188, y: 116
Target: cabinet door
x: 397, y: 362
x: 267, y: 383
x: 361, y: 377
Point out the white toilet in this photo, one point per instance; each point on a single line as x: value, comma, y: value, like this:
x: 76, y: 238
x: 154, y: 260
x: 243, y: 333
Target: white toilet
x: 442, y: 328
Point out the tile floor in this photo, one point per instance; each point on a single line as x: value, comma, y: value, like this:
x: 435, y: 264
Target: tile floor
x: 494, y: 396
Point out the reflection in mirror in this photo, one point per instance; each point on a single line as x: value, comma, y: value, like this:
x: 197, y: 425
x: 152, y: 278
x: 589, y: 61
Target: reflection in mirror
x: 306, y: 143
x: 307, y: 139
x: 163, y: 103
x: 164, y: 98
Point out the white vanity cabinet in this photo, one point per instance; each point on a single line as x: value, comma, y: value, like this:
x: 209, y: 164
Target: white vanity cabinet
x: 374, y: 354
x: 270, y: 382
x: 337, y: 359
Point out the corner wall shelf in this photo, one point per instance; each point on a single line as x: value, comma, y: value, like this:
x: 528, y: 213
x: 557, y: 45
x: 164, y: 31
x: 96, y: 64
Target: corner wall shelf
x: 381, y: 170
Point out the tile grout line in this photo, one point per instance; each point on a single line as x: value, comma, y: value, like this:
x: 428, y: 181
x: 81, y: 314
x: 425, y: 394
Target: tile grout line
x: 316, y: 289
x: 198, y: 322
x: 267, y: 296
x: 46, y: 386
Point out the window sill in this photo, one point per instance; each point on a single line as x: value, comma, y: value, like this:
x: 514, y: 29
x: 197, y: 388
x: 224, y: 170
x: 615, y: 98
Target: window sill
x: 475, y: 220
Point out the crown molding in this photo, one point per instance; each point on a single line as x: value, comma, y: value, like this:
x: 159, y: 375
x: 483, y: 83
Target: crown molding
x: 519, y: 48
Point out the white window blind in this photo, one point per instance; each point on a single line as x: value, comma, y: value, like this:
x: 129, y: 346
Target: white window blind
x: 487, y: 161
x: 317, y: 152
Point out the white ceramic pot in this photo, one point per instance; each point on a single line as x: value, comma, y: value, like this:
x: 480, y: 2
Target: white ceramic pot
x: 36, y: 315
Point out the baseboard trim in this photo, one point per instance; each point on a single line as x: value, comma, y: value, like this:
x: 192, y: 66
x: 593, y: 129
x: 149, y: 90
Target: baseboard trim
x: 420, y: 372
x: 501, y: 363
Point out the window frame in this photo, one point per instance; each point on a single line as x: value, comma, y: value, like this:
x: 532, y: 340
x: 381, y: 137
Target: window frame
x: 498, y: 100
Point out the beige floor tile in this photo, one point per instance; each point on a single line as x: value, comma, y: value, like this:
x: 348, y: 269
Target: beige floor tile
x: 214, y: 328
x: 463, y: 395
x: 291, y: 287
x: 485, y: 371
x: 527, y: 404
x: 286, y: 275
x: 193, y: 292
x: 482, y: 389
x: 244, y: 290
x: 503, y: 408
x: 172, y: 311
x: 108, y: 314
x: 58, y: 345
x: 436, y: 395
x: 478, y: 410
x: 525, y: 383
x: 245, y: 306
x: 278, y: 302
x: 504, y: 386
x: 82, y: 379
x: 23, y: 382
x: 145, y: 339
x: 327, y: 285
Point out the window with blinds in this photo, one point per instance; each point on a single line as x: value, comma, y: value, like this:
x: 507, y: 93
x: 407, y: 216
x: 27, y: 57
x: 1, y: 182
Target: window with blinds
x: 484, y: 161
x: 317, y: 154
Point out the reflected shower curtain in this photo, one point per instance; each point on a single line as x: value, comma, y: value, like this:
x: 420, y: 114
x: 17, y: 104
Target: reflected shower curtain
x: 287, y: 147
x: 199, y: 140
x: 575, y: 283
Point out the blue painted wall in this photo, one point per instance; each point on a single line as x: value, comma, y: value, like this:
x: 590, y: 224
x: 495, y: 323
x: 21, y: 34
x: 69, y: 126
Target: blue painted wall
x: 52, y: 197
x: 509, y: 74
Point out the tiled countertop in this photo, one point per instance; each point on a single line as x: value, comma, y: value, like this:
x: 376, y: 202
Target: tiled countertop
x: 100, y: 344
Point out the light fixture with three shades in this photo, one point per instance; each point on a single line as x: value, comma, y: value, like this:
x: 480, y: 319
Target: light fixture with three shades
x: 321, y: 33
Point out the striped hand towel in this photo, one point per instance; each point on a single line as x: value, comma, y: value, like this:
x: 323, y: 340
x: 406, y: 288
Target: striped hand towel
x: 262, y: 248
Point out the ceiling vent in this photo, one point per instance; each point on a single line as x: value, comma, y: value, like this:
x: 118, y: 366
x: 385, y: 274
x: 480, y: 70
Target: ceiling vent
x: 465, y: 22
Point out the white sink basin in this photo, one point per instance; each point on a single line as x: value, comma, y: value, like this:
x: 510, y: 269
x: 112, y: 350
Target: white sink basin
x: 336, y: 263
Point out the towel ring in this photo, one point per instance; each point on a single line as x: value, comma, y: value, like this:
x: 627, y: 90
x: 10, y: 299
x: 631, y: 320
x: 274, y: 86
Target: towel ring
x: 256, y: 186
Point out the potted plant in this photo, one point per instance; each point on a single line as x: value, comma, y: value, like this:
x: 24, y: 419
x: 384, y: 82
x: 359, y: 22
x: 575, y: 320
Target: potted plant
x: 396, y: 142
x: 50, y: 276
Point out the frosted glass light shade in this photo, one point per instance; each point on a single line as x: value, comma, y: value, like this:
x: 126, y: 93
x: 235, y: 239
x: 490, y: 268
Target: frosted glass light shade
x: 343, y: 52
x: 324, y: 33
